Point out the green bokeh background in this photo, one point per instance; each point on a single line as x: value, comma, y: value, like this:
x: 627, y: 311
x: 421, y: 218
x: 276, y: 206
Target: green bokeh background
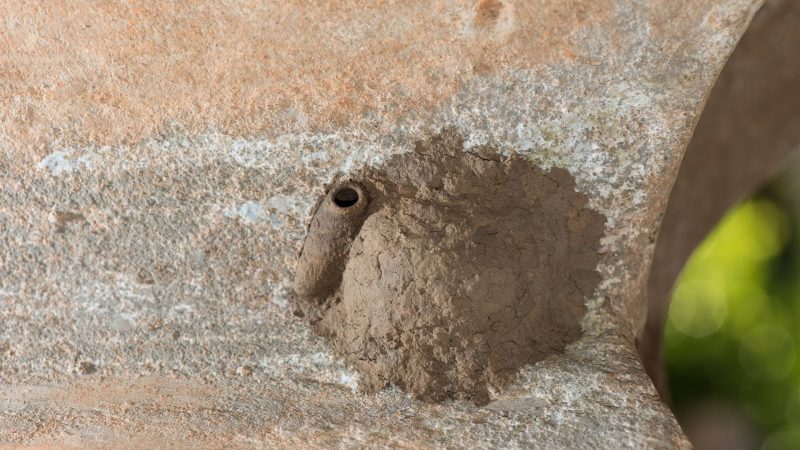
x: 733, y: 333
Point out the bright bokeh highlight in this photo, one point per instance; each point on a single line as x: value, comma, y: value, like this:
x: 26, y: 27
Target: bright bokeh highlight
x: 734, y: 326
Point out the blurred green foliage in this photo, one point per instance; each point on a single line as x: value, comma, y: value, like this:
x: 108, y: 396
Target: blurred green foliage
x: 733, y: 333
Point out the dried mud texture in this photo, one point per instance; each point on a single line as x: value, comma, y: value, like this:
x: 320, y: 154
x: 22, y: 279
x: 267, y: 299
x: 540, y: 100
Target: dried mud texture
x: 468, y: 265
x: 336, y: 223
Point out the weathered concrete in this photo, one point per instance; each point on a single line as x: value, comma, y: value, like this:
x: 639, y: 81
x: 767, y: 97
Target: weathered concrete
x: 160, y: 162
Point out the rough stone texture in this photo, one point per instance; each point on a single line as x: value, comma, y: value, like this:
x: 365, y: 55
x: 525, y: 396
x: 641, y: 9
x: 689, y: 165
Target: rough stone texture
x: 468, y: 266
x: 159, y: 165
